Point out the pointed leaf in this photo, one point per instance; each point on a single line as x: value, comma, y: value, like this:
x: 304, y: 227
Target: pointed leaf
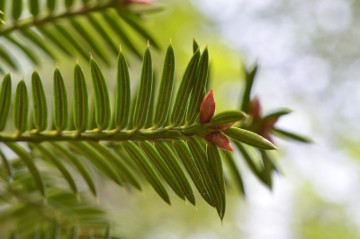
x: 176, y: 169
x: 29, y: 164
x: 120, y: 151
x: 206, y: 172
x: 5, y: 100
x: 187, y: 160
x: 81, y: 109
x: 216, y: 166
x: 60, y: 102
x: 102, y: 101
x: 95, y: 158
x: 58, y: 163
x: 84, y: 171
x: 143, y: 99
x: 158, y: 163
x: 166, y: 89
x: 21, y: 107
x: 184, y: 91
x: 249, y: 138
x: 124, y: 171
x: 123, y: 98
x: 39, y: 102
x: 198, y: 92
x: 227, y: 117
x: 147, y: 170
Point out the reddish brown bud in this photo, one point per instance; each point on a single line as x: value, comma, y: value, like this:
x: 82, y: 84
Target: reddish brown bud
x: 220, y: 140
x: 265, y: 128
x: 255, y: 108
x: 207, y: 108
x: 269, y: 124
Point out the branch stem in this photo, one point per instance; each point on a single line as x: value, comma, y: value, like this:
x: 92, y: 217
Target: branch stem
x: 110, y: 135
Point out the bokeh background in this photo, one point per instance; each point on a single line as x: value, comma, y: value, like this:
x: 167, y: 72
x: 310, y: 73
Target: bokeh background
x: 308, y: 52
x: 309, y: 58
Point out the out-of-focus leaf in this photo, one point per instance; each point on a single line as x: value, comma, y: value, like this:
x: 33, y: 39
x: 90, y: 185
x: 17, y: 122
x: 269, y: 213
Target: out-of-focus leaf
x: 234, y: 170
x: 291, y: 135
x: 249, y: 80
x: 29, y: 164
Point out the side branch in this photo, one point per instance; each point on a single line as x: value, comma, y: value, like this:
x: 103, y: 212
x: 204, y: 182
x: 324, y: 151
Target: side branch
x: 38, y: 21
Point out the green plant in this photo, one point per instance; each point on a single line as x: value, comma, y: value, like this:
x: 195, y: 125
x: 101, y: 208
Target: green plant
x: 143, y: 138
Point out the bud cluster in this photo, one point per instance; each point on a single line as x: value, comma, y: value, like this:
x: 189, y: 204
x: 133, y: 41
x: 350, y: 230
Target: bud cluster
x: 207, y: 111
